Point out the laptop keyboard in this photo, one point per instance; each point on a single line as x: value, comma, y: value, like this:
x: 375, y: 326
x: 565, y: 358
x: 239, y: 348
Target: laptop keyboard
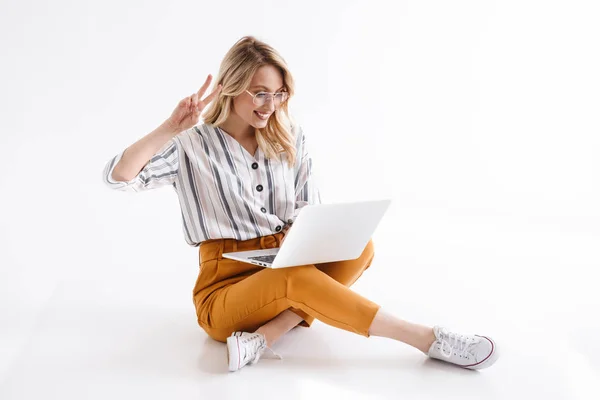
x: 268, y: 259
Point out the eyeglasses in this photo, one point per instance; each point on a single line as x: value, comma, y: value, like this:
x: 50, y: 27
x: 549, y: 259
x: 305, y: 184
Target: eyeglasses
x: 262, y: 98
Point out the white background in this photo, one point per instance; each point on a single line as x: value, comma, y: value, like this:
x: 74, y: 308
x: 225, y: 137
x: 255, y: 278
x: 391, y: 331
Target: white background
x: 479, y: 119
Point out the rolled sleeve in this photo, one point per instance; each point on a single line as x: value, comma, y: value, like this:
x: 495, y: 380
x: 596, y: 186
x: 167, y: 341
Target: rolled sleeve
x: 161, y: 170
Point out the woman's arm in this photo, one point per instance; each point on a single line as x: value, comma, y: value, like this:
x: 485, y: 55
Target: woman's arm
x: 185, y: 116
x: 138, y: 154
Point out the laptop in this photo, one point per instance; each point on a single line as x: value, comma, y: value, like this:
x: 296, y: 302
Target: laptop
x: 322, y: 233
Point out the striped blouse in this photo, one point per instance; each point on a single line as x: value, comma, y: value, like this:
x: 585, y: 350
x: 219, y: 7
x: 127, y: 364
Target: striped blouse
x: 223, y: 190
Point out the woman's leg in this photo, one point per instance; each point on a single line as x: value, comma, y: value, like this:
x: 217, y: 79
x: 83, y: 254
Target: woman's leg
x: 385, y: 325
x: 345, y: 272
x: 262, y: 296
x: 279, y: 326
x: 282, y: 318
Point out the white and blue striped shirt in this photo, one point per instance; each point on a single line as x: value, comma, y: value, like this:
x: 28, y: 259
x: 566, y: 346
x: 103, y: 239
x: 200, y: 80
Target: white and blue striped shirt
x: 223, y: 190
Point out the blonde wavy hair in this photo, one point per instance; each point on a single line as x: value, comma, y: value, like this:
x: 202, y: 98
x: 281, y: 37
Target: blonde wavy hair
x: 240, y: 63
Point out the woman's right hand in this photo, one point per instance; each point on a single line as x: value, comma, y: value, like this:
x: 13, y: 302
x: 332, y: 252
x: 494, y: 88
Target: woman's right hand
x: 187, y: 113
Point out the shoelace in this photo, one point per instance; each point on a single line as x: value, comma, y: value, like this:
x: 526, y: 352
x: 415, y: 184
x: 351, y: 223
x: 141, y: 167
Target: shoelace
x: 454, y: 341
x: 255, y: 345
x: 258, y: 345
x: 273, y: 353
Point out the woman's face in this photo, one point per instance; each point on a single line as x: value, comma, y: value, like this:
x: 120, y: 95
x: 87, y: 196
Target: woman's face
x: 266, y: 79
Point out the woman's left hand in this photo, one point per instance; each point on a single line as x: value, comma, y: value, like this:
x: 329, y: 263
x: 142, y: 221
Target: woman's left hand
x: 285, y: 230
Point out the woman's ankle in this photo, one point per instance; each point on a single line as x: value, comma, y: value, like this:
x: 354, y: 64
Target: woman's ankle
x: 427, y: 339
x: 268, y: 337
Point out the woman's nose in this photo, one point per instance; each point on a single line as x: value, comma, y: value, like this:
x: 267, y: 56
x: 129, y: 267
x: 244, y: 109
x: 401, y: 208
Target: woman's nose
x: 271, y: 103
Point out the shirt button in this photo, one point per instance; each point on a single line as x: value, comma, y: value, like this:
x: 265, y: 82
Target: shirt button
x: 254, y: 166
x: 259, y: 188
x: 263, y: 210
x: 278, y: 228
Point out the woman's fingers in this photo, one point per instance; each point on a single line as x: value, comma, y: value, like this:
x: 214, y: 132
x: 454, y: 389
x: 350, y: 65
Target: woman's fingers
x: 205, y: 86
x: 212, y: 95
x: 285, y: 232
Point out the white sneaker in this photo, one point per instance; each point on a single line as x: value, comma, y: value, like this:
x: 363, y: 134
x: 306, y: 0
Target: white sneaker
x: 244, y: 348
x: 467, y: 351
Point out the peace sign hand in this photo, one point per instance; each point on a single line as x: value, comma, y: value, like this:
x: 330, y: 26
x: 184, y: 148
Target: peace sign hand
x: 187, y: 113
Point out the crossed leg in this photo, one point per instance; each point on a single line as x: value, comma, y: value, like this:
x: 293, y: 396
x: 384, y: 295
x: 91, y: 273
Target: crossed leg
x: 273, y: 301
x: 308, y: 291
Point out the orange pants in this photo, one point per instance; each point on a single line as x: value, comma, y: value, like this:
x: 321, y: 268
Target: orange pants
x: 234, y: 296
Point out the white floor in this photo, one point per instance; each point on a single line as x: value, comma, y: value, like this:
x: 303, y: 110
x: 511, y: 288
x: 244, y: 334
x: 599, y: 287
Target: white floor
x: 531, y: 289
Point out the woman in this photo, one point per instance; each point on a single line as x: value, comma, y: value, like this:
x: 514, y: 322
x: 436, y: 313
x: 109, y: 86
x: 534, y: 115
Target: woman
x: 241, y: 178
